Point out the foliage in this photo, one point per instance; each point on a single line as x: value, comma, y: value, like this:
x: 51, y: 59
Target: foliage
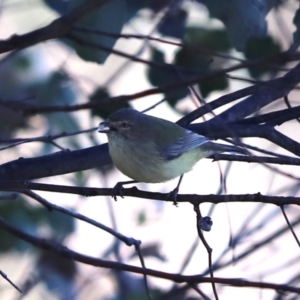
x: 97, y: 56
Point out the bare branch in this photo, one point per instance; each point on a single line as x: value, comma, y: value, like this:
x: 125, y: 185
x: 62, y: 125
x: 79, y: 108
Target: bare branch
x: 57, y: 163
x: 63, y: 251
x: 7, y: 279
x: 135, y: 192
x: 277, y: 89
x: 52, y: 207
x: 57, y: 29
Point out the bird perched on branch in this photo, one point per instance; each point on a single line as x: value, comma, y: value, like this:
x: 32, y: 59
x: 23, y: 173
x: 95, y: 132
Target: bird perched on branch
x: 152, y: 150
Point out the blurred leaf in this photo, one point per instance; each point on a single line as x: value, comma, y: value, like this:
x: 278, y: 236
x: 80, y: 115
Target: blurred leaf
x: 209, y: 39
x: 111, y: 18
x: 196, y: 39
x: 22, y: 62
x: 158, y: 5
x: 61, y: 224
x: 296, y: 21
x: 141, y: 218
x: 242, y: 18
x: 58, y: 264
x: 215, y: 84
x: 132, y: 6
x: 190, y: 57
x: 173, y: 24
x: 56, y: 89
x: 17, y: 71
x: 101, y: 94
x: 259, y: 48
x: 60, y: 6
x: 159, y: 77
x: 53, y: 89
x: 10, y: 121
x: 30, y: 219
x: 156, y: 76
x: 58, y: 274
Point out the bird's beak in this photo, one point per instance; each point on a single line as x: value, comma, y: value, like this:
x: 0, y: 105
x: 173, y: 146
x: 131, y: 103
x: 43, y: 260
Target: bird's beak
x: 104, y: 127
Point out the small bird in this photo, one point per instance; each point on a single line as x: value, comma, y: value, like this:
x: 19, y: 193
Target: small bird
x: 152, y: 150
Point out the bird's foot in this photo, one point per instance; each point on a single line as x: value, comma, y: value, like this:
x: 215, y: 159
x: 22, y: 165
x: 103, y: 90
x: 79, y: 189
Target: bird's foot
x: 117, y: 190
x: 173, y: 196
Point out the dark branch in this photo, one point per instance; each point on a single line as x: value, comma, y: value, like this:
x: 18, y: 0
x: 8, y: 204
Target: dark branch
x: 275, y: 89
x: 63, y: 251
x: 135, y: 192
x: 55, y: 164
x: 58, y: 28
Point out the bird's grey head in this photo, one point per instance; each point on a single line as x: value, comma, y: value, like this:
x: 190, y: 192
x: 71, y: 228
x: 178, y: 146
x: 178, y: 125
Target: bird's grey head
x: 122, y: 123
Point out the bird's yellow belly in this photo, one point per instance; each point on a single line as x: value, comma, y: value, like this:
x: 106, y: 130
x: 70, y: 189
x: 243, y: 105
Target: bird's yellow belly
x: 149, y: 167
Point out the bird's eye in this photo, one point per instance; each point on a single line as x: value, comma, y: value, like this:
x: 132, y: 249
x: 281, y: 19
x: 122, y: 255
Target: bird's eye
x: 124, y: 125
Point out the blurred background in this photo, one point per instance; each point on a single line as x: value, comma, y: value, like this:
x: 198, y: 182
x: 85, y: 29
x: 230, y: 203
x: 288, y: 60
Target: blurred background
x: 122, y: 48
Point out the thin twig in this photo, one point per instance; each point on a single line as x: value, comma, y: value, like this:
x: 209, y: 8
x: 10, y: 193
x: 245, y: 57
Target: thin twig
x: 50, y: 206
x: 289, y: 225
x: 208, y: 248
x: 7, y: 279
x: 63, y: 251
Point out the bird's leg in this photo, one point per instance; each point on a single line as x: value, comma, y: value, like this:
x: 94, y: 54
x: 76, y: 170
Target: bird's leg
x: 117, y: 189
x: 173, y: 195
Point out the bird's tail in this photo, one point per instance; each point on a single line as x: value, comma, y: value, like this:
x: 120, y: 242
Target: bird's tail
x: 213, y: 148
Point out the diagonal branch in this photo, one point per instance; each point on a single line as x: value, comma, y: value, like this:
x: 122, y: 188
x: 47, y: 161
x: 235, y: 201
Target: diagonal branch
x: 63, y: 251
x: 57, y: 29
x: 275, y: 89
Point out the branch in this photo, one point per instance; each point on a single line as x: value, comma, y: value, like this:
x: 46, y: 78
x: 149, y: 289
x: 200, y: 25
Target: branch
x: 215, y: 130
x: 57, y: 29
x: 31, y: 109
x: 52, y: 207
x: 223, y: 100
x: 8, y: 280
x: 13, y: 142
x: 64, y: 162
x: 63, y: 251
x: 275, y: 118
x: 275, y: 89
x: 20, y: 185
x: 267, y: 240
x: 258, y: 159
x: 55, y: 164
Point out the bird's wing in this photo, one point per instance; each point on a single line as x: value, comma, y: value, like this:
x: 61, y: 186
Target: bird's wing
x: 189, y: 141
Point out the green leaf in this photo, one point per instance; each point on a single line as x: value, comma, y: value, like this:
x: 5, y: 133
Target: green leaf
x: 190, y: 57
x: 296, y: 21
x: 243, y: 19
x: 209, y: 39
x: 58, y: 89
x: 60, y: 6
x: 57, y: 273
x: 110, y: 18
x: 159, y: 76
x: 55, y: 89
x: 141, y: 217
x: 31, y: 219
x: 156, y: 75
x: 173, y: 25
x: 214, y: 84
x: 100, y: 95
x: 259, y: 48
